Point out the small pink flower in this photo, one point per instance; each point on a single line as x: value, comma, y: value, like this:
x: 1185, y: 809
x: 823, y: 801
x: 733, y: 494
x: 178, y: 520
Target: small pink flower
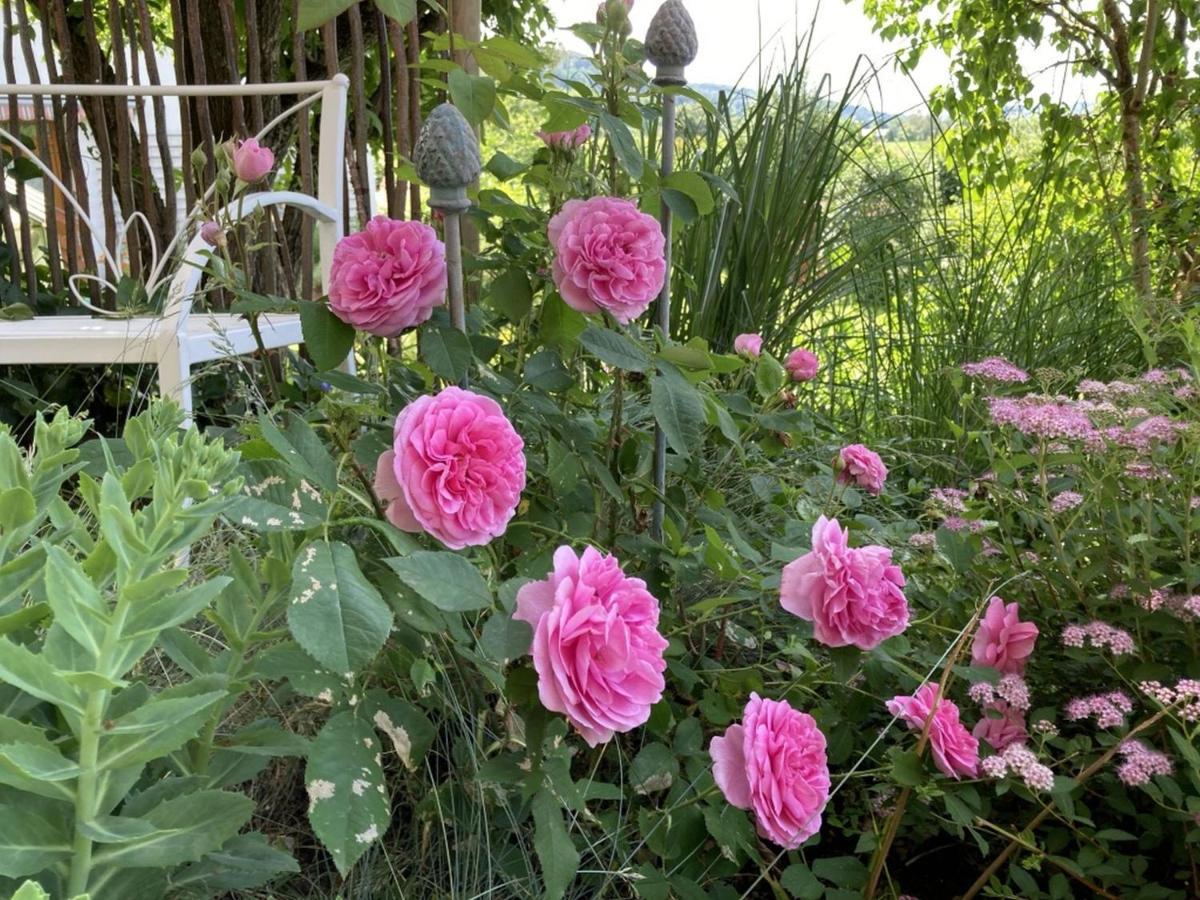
x: 596, y: 646
x: 388, y: 277
x: 774, y: 764
x: 955, y: 750
x: 212, y: 233
x: 608, y: 256
x: 996, y: 368
x: 460, y: 468
x: 567, y: 140
x: 852, y: 596
x: 252, y: 161
x: 863, y: 467
x: 802, y: 364
x: 748, y: 345
x: 1001, y: 725
x: 1003, y: 641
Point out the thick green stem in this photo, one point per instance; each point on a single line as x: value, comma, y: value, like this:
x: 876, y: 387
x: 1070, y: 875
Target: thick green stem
x: 86, y: 793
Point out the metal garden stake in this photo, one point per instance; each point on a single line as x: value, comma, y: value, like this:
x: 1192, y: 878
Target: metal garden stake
x: 447, y: 159
x: 671, y: 45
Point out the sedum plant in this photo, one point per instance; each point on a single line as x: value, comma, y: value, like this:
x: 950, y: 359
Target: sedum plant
x: 105, y: 789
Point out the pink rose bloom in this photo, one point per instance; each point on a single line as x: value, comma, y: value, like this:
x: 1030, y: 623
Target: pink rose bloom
x: 388, y: 277
x: 862, y: 467
x: 1003, y: 642
x: 852, y: 596
x: 212, y: 233
x: 252, y: 161
x: 802, y: 365
x: 955, y: 750
x: 457, y: 469
x: 774, y: 763
x: 1001, y: 725
x: 596, y: 646
x: 567, y: 140
x: 748, y: 345
x: 608, y: 257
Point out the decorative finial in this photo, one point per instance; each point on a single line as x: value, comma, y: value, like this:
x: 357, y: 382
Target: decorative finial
x: 671, y: 42
x: 447, y: 158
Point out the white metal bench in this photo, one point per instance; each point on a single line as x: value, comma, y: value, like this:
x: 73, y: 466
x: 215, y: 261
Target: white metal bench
x: 177, y: 339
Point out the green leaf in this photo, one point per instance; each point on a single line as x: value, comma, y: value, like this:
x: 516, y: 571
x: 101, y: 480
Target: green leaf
x: 30, y: 890
x: 504, y: 166
x: 769, y: 376
x: 17, y: 508
x: 446, y: 350
x: 615, y: 348
x: 157, y: 727
x: 348, y: 804
x: 314, y: 13
x: 335, y: 614
x: 505, y: 638
x: 185, y: 828
x: 654, y: 769
x: 32, y: 674
x: 907, y: 769
x: 695, y: 187
x: 474, y: 95
x: 329, y: 340
x: 623, y: 145
x: 302, y: 450
x: 77, y: 605
x: 446, y: 580
x: 175, y: 608
x: 38, y: 769
x: 408, y: 730
x: 33, y: 835
x: 799, y: 881
x: 511, y: 294
x: 400, y: 11
x: 555, y: 850
x: 677, y: 407
x: 841, y: 871
x: 244, y: 862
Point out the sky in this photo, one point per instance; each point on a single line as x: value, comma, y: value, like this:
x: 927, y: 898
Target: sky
x: 731, y: 33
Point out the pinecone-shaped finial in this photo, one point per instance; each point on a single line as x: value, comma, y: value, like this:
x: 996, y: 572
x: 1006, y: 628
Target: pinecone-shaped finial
x: 447, y: 158
x: 671, y: 42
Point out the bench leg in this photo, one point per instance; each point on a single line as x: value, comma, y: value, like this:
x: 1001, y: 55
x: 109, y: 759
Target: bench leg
x: 175, y: 379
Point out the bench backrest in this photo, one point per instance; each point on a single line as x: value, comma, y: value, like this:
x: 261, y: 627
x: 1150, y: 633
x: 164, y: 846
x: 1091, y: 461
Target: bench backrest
x: 326, y: 206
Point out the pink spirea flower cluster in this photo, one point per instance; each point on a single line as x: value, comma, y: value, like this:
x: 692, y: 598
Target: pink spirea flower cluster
x: 1002, y: 640
x: 1022, y: 763
x: 802, y: 365
x: 949, y: 499
x: 1100, y: 635
x: 774, y: 764
x: 1064, y: 501
x: 566, y: 140
x: 1145, y: 435
x: 1186, y: 693
x: 861, y: 466
x: 748, y: 345
x: 853, y: 596
x: 608, y: 257
x: 388, y: 277
x: 1181, y: 606
x: 958, y: 523
x: 596, y: 646
x: 923, y: 540
x: 1109, y: 709
x: 1048, y: 418
x: 1141, y: 763
x: 955, y: 750
x: 996, y: 368
x: 456, y: 469
x: 1013, y: 690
